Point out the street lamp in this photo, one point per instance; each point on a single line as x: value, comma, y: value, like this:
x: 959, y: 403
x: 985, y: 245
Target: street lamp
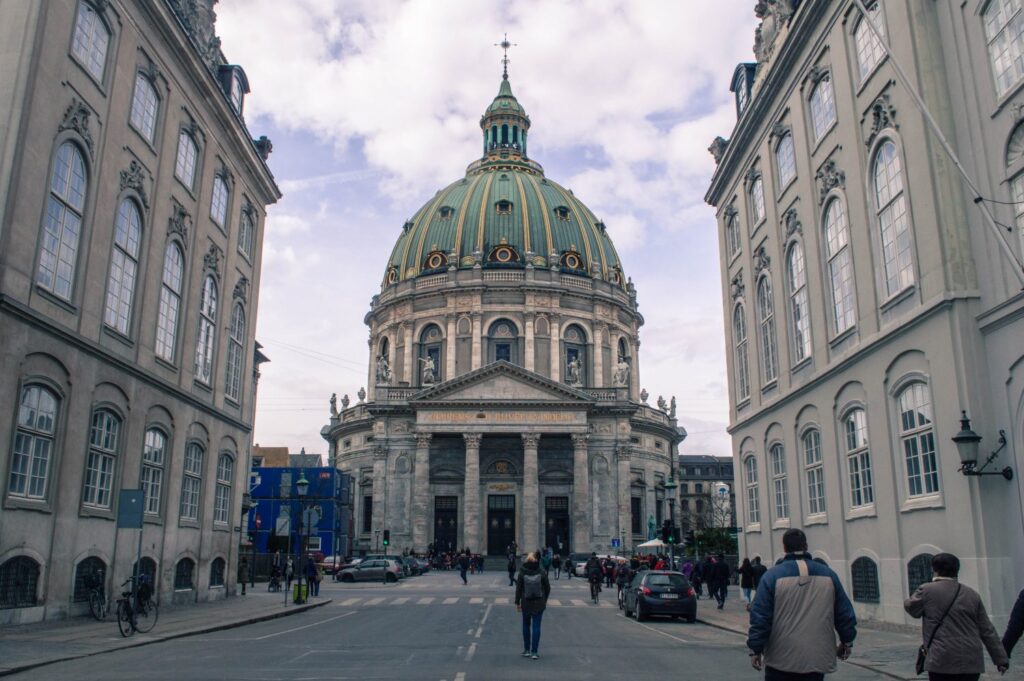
x: 301, y: 489
x: 670, y: 489
x: 967, y: 442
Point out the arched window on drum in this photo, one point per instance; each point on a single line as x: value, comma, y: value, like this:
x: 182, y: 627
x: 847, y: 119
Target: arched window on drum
x: 575, y: 357
x: 503, y: 342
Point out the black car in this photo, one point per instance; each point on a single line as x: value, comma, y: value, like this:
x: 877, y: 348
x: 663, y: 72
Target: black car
x: 660, y: 592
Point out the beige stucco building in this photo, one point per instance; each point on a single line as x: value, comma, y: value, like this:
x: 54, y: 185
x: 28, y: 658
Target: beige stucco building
x: 868, y: 300
x: 504, y: 401
x: 132, y: 201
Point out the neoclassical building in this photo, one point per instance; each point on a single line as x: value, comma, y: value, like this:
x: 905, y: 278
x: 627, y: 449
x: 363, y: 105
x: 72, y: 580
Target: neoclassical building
x: 869, y: 298
x: 132, y: 204
x: 504, y: 401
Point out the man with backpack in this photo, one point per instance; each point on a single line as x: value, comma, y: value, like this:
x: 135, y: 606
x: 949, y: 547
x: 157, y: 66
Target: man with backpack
x: 532, y: 590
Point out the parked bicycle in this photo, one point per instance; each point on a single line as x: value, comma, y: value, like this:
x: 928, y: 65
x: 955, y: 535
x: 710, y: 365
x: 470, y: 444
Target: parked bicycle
x: 139, y: 613
x: 97, y: 599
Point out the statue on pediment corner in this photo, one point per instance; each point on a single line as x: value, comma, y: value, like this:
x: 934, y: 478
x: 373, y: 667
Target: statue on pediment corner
x: 718, y: 147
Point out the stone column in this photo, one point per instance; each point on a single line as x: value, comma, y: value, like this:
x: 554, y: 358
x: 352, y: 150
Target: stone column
x: 598, y: 378
x: 528, y: 345
x: 634, y: 370
x: 421, y: 493
x: 531, y: 492
x: 477, y: 344
x: 371, y: 379
x: 380, y: 462
x: 556, y: 356
x: 449, y: 358
x: 624, y: 493
x: 580, y: 494
x: 408, y: 363
x: 471, y: 495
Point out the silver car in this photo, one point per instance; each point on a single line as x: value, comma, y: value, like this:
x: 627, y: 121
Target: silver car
x: 374, y: 570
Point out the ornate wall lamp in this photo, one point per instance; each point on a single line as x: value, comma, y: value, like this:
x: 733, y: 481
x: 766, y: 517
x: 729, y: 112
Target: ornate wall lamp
x: 967, y: 444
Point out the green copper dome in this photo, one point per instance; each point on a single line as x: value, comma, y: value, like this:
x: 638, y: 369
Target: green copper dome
x: 504, y: 214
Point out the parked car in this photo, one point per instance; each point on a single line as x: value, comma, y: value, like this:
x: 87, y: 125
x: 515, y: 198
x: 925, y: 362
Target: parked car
x: 403, y: 563
x: 372, y: 570
x: 660, y: 592
x: 423, y: 564
x: 332, y: 564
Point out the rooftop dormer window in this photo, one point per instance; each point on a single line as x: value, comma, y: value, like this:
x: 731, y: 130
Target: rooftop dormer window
x: 235, y: 86
x: 504, y: 207
x: 562, y: 212
x: 236, y: 94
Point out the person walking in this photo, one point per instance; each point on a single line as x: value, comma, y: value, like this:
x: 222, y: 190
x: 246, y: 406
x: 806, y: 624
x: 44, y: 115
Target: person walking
x: 568, y: 567
x: 722, y: 574
x: 511, y: 569
x: 464, y: 565
x: 243, y: 572
x: 796, y: 598
x: 954, y: 625
x: 1015, y: 627
x: 759, y: 571
x: 556, y: 563
x: 746, y: 572
x: 289, y: 574
x: 532, y: 590
x: 310, y: 574
x: 545, y: 561
x: 697, y: 579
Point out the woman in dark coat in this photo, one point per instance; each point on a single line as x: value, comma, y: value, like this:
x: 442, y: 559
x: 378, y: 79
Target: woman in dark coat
x: 1015, y: 627
x: 746, y: 571
x: 532, y: 590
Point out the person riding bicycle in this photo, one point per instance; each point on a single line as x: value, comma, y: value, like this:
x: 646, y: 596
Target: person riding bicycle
x: 594, y: 573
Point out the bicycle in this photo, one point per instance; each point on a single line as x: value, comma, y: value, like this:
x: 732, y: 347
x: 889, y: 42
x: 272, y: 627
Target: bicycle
x: 97, y: 599
x: 595, y: 589
x: 139, y: 613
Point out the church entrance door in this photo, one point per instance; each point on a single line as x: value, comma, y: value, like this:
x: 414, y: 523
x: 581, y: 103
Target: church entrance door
x: 501, y: 523
x: 446, y: 523
x: 556, y: 524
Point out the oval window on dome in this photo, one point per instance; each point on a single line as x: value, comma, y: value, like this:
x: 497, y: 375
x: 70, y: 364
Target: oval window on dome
x: 571, y: 260
x: 435, y: 261
x: 391, y: 277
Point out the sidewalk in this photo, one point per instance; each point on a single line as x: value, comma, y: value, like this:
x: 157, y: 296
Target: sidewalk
x: 884, y: 648
x: 27, y: 646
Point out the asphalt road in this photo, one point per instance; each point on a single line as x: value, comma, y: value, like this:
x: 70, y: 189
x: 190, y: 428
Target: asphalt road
x: 432, y: 628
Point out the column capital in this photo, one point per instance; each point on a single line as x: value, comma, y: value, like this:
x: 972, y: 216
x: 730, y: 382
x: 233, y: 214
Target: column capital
x: 472, y: 440
x: 380, y: 452
x: 531, y: 440
x: 579, y: 440
x: 624, y: 452
x: 423, y: 440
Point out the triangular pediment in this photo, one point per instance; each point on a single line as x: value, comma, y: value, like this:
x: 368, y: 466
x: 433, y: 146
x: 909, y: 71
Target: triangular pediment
x: 501, y: 382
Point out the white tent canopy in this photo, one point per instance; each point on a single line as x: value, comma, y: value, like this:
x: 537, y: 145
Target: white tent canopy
x: 652, y: 544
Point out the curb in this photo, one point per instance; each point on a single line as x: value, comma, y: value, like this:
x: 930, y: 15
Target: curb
x: 135, y: 643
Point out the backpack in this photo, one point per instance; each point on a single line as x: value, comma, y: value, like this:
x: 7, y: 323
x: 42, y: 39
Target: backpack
x: 533, y: 586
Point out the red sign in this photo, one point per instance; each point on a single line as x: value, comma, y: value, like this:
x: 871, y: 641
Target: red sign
x: 258, y: 521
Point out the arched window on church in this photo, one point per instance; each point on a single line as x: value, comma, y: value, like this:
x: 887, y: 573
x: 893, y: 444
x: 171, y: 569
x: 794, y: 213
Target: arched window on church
x: 503, y: 342
x: 575, y: 356
x: 429, y: 360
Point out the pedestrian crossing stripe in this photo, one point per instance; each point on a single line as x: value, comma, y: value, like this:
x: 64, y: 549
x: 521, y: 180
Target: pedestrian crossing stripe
x: 425, y: 601
x: 449, y: 601
x: 475, y: 601
x: 499, y: 600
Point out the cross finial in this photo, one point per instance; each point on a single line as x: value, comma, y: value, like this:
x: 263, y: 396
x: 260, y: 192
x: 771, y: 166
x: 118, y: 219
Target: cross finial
x: 504, y: 45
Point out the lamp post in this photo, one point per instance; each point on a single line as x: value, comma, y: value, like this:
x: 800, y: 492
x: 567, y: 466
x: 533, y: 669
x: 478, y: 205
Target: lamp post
x: 301, y: 489
x: 670, y: 488
x: 967, y: 442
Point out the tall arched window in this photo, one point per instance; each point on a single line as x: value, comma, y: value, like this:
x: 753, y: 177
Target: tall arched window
x: 103, y: 449
x: 823, y: 107
x: 893, y: 220
x: 170, y: 302
x: 206, y: 341
x: 575, y: 367
x: 124, y: 264
x: 840, y: 267
x: 503, y: 342
x: 185, y: 161
x: 739, y: 339
x: 919, y: 571
x: 217, y: 573
x: 235, y: 363
x: 814, y: 471
x: 222, y: 494
x: 799, y: 309
x: 62, y: 226
x: 780, y: 485
x: 858, y: 458
x: 785, y: 159
x: 146, y: 567
x: 430, y: 369
x: 732, y: 234
x: 918, y: 440
x: 145, y: 106
x: 33, y: 443
x: 192, y: 482
x: 219, y: 201
x: 750, y: 483
x: 91, y: 40
x: 757, y: 199
x: 864, y: 577
x: 184, y: 575
x: 766, y: 321
x: 19, y: 582
x: 1004, y: 31
x: 869, y: 47
x: 246, y: 235
x: 154, y: 454
x: 89, y: 573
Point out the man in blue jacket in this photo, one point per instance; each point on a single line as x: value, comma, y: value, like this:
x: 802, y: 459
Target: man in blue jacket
x: 799, y: 608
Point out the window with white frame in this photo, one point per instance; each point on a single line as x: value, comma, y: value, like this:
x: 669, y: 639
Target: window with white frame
x: 99, y: 468
x: 145, y: 106
x: 62, y: 225
x: 246, y: 235
x: 869, y: 47
x: 732, y: 234
x: 154, y: 453
x: 785, y: 160
x: 840, y: 267
x: 236, y: 93
x: 222, y: 494
x: 766, y: 322
x: 814, y: 471
x: 757, y: 199
x: 893, y: 220
x: 739, y: 337
x: 185, y: 161
x: 750, y: 482
x: 236, y: 341
x: 858, y: 458
x: 918, y: 440
x: 191, y: 483
x: 1004, y: 31
x: 33, y: 443
x: 124, y: 263
x: 780, y: 485
x: 170, y: 302
x: 823, y: 107
x: 91, y: 40
x: 206, y: 339
x: 799, y: 308
x: 219, y: 201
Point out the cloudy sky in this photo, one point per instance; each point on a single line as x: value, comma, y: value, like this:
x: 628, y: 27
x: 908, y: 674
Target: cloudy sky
x: 374, y: 105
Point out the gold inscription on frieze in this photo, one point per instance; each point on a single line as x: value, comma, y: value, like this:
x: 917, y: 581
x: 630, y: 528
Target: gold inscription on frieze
x: 474, y: 417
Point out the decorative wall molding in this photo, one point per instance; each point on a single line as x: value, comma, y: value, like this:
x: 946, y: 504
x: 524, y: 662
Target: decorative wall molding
x: 179, y: 222
x: 817, y: 73
x: 762, y: 260
x: 211, y: 261
x: 241, y: 290
x: 76, y: 118
x: 792, y: 223
x: 736, y: 286
x: 831, y: 177
x: 134, y: 177
x: 883, y: 117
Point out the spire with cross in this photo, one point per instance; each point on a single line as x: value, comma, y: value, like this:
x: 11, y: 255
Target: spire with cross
x: 504, y: 45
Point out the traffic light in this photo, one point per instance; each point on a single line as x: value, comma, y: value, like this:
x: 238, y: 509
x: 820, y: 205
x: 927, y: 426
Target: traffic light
x: 673, y: 534
x: 666, y: 532
x: 690, y: 541
x: 252, y: 537
x: 387, y: 537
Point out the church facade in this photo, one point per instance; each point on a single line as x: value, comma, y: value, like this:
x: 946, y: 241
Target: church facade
x: 504, y: 402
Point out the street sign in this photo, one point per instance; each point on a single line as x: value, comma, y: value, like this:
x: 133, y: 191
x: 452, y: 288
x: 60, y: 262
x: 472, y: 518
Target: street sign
x: 616, y: 543
x: 129, y: 509
x: 311, y: 517
x: 283, y: 527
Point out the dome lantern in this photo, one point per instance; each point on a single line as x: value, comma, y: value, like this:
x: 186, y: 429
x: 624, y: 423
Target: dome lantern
x: 505, y: 123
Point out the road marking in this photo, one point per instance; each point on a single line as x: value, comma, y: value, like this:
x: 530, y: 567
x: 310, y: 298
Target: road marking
x: 501, y: 601
x: 663, y: 633
x: 461, y: 676
x: 471, y: 652
x: 449, y: 601
x: 555, y: 602
x: 350, y: 601
x: 307, y: 626
x: 480, y: 629
x: 425, y: 601
x: 575, y: 601
x: 605, y: 604
x: 399, y: 601
x: 375, y: 601
x: 476, y: 601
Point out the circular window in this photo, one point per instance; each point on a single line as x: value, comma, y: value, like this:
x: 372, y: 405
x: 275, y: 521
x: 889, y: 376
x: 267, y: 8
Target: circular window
x: 435, y: 261
x: 572, y: 262
x: 504, y: 255
x: 392, y: 276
